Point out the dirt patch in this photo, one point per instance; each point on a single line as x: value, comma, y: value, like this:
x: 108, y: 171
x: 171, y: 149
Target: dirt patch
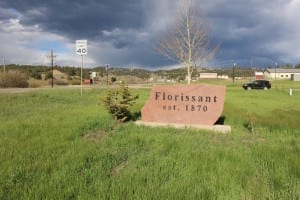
x: 95, y: 137
x: 252, y: 141
x: 116, y: 170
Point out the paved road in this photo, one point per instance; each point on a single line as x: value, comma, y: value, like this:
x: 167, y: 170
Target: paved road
x: 23, y: 90
x: 18, y: 90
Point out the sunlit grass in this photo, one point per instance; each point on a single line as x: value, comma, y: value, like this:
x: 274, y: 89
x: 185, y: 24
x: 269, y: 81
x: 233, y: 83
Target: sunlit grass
x: 56, y: 144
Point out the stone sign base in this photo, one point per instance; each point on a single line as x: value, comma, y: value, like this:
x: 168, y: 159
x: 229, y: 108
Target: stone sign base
x: 216, y: 128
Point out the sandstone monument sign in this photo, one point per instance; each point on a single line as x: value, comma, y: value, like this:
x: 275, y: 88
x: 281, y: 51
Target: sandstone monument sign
x: 184, y: 104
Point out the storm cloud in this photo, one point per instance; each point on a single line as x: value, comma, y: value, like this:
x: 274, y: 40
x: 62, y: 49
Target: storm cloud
x: 123, y: 33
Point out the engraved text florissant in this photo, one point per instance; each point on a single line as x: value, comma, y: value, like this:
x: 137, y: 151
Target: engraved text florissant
x: 187, y: 98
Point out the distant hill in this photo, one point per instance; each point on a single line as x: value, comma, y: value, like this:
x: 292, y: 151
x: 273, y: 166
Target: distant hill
x: 44, y: 72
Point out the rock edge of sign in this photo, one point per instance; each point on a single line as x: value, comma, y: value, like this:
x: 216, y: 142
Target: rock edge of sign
x: 225, y: 129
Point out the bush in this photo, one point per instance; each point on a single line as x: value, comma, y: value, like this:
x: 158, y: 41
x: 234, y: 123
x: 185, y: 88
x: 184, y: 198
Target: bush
x: 59, y: 82
x: 14, y: 79
x: 33, y: 83
x: 113, y: 79
x: 251, y: 122
x: 118, y: 102
x: 75, y: 82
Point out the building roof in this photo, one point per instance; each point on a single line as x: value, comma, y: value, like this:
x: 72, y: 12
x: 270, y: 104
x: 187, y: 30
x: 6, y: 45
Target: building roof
x: 282, y: 70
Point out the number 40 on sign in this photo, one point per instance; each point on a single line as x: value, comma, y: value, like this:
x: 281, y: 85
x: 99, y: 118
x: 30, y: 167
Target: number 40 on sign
x: 81, y: 47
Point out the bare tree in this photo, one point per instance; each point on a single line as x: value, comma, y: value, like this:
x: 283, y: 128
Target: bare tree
x: 187, y: 42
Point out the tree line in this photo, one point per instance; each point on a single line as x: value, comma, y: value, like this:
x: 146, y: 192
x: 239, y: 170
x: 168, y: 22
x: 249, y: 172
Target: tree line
x: 36, y: 72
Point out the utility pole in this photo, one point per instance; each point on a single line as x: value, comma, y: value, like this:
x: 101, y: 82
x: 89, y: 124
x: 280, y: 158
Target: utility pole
x: 52, y: 67
x: 233, y: 72
x: 3, y: 61
x: 275, y: 70
x: 4, y: 70
x: 106, y: 67
x: 52, y: 56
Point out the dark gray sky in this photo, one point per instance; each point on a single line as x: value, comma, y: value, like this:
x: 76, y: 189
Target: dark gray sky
x: 123, y: 32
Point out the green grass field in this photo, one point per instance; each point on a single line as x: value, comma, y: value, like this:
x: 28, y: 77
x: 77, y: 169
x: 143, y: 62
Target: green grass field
x: 56, y: 144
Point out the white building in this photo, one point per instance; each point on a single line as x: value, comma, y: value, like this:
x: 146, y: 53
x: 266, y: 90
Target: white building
x: 225, y: 77
x: 280, y: 73
x: 259, y: 75
x: 208, y: 75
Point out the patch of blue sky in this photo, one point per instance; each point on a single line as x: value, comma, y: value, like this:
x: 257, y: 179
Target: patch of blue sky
x: 48, y: 45
x: 14, y: 12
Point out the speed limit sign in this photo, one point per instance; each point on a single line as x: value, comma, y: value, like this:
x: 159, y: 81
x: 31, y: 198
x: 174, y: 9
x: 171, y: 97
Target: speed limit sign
x: 81, y: 47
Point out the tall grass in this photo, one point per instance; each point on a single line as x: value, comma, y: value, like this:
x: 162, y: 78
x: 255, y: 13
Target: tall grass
x: 13, y: 79
x: 56, y: 144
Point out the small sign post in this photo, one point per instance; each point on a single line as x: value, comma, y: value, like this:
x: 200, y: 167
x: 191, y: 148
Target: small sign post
x: 81, y: 49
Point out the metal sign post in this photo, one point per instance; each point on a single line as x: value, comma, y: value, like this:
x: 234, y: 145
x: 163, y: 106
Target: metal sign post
x: 81, y: 75
x: 81, y: 49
